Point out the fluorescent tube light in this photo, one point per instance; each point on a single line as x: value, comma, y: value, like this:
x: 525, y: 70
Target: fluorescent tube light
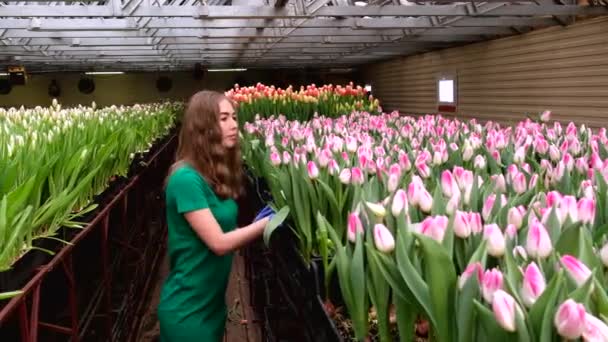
x: 217, y: 70
x: 3, y: 73
x: 104, y: 73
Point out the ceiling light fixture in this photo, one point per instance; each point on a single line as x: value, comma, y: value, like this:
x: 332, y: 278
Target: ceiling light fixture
x: 104, y: 73
x: 226, y: 70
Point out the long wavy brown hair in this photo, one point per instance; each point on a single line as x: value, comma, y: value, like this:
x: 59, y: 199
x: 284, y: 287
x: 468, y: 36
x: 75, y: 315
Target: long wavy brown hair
x: 200, y: 145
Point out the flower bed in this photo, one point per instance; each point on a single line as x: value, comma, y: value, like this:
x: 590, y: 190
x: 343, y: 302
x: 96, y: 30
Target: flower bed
x: 55, y: 165
x: 482, y: 231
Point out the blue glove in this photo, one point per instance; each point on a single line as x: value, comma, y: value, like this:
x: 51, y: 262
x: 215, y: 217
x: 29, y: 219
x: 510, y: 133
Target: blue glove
x: 265, y: 212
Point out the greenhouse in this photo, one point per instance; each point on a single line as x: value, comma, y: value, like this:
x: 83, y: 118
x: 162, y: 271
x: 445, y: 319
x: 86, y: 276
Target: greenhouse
x: 303, y: 170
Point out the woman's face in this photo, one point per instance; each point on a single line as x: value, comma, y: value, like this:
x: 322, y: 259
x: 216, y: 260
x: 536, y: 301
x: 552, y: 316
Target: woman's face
x: 228, y: 124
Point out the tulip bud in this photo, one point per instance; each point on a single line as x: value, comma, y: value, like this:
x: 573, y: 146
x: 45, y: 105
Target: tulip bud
x: 570, y: 319
x: 357, y: 176
x: 333, y: 167
x: 554, y: 153
x: 462, y: 228
x: 510, y: 232
x: 434, y: 227
x: 345, y: 176
x: 467, y: 154
x: 377, y: 209
x: 519, y: 183
x: 354, y: 227
x: 313, y: 171
x: 490, y: 283
x: 586, y: 210
x: 577, y: 270
x: 568, y: 207
x: 275, y: 159
x: 516, y: 215
x: 495, y: 240
x: 448, y: 184
x: 500, y: 184
x: 399, y: 202
x: 520, y: 155
x: 604, y: 254
x: 393, y: 182
x: 383, y: 239
x: 425, y: 201
x: 505, y: 308
x: 286, y: 157
x: 488, y: 204
x: 533, y: 285
x: 480, y: 162
x: 538, y: 243
x: 475, y: 222
x: 452, y: 204
x: 472, y: 269
x: 545, y: 116
x: 595, y: 329
x: 521, y: 252
x: 423, y: 170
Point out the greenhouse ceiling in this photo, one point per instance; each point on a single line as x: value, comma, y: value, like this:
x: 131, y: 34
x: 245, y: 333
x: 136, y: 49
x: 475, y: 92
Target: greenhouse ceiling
x: 165, y: 35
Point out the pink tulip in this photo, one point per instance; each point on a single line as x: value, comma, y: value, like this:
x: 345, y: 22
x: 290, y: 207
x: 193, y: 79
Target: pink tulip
x: 448, y: 185
x: 479, y: 162
x: 333, y: 167
x: 488, y: 204
x: 475, y: 222
x: 393, y: 182
x: 399, y: 202
x: 516, y: 215
x: 383, y: 239
x: 604, y: 254
x: 286, y: 157
x: 434, y: 227
x: 496, y: 156
x: 545, y: 116
x: 519, y: 183
x: 423, y: 170
x: 495, y: 240
x: 357, y: 176
x: 595, y: 329
x: 354, y: 227
x: 500, y: 184
x: 313, y: 171
x: 521, y: 252
x: 568, y: 162
x: 554, y: 153
x: 541, y: 145
x: 570, y: 319
x: 404, y: 161
x: 568, y: 207
x: 490, y: 283
x: 462, y: 228
x: 345, y: 176
x: 472, y: 269
x: 520, y: 155
x: 538, y: 243
x: 533, y: 284
x: 586, y: 210
x: 577, y: 270
x: 533, y: 181
x: 505, y: 308
x: 275, y: 159
x: 553, y: 197
x: 425, y: 201
x: 324, y: 158
x: 511, y: 232
x: 581, y: 166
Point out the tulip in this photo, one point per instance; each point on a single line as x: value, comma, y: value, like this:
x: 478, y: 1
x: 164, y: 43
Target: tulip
x: 472, y: 269
x: 434, y: 227
x: 275, y: 159
x: 423, y: 170
x: 425, y: 201
x: 577, y: 270
x: 554, y: 153
x: 538, y: 243
x: 595, y: 329
x: 490, y: 283
x: 495, y: 240
x: 586, y: 210
x: 500, y: 184
x: 521, y: 252
x: 399, y: 202
x: 533, y: 181
x: 377, y: 209
x: 345, y: 176
x: 533, y: 285
x: 480, y: 162
x: 505, y: 308
x: 448, y: 185
x: 357, y: 176
x: 520, y: 155
x: 333, y: 167
x: 511, y: 231
x: 462, y: 228
x: 286, y: 157
x: 519, y: 183
x: 475, y: 222
x: 313, y: 171
x: 467, y: 154
x: 488, y: 205
x: 516, y: 215
x: 393, y: 182
x: 545, y: 116
x: 604, y: 254
x: 553, y: 197
x: 383, y: 239
x: 354, y: 227
x: 452, y: 204
x: 570, y: 319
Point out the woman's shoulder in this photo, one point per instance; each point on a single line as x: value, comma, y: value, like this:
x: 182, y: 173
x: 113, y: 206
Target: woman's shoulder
x: 184, y: 175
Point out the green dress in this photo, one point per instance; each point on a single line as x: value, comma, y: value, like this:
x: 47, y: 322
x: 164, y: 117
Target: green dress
x: 192, y: 305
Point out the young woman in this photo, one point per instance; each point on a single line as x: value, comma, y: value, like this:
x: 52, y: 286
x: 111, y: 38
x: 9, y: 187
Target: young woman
x: 202, y: 217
